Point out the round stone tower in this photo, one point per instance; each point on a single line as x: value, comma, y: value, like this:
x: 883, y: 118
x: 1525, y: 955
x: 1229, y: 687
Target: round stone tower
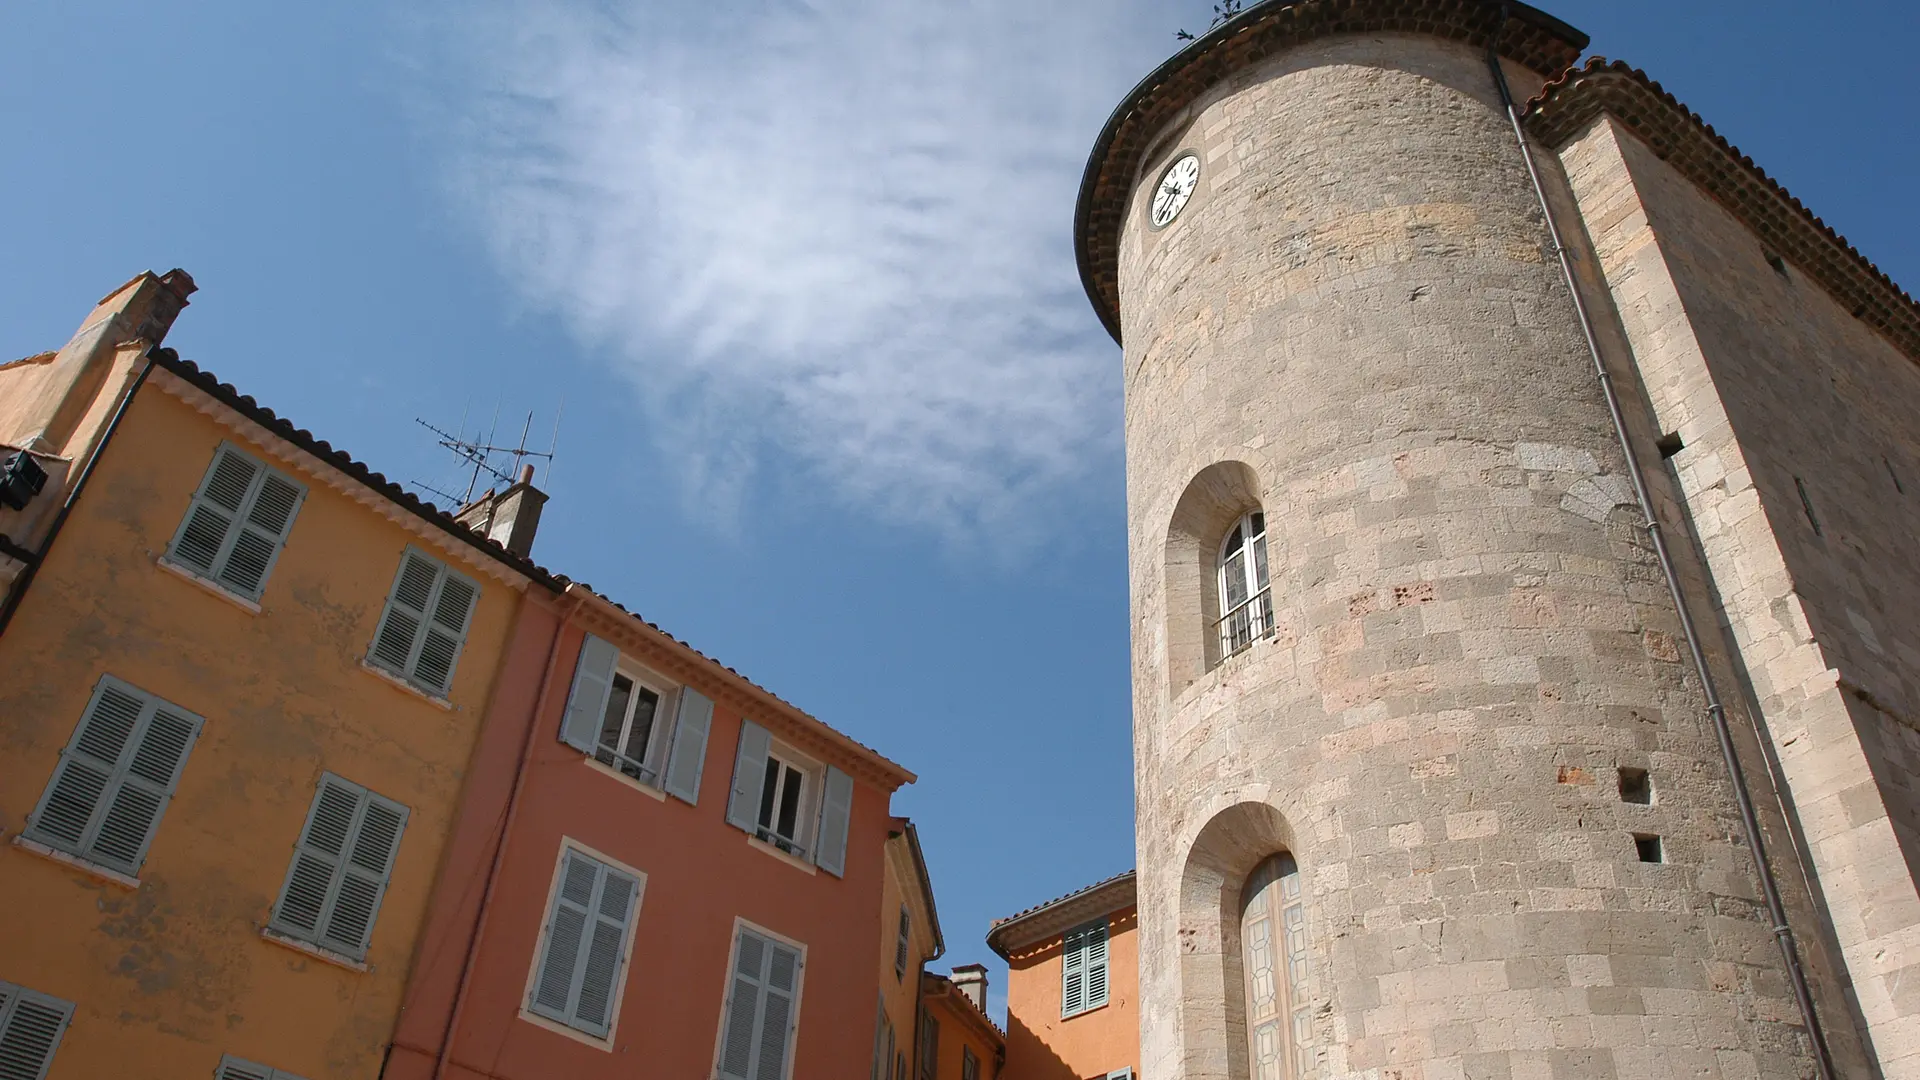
x: 1424, y: 789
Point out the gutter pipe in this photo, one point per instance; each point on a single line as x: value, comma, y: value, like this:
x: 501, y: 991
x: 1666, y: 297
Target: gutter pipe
x: 562, y: 615
x: 18, y: 593
x: 1716, y: 710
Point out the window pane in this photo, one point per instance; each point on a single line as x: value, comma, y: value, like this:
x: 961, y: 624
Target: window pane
x: 1260, y: 563
x: 646, y: 704
x: 768, y: 789
x: 790, y: 805
x: 1257, y: 523
x: 1233, y: 542
x: 616, y: 717
x: 1235, y: 579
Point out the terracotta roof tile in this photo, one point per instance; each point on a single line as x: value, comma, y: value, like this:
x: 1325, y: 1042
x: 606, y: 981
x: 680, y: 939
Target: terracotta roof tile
x: 1678, y: 136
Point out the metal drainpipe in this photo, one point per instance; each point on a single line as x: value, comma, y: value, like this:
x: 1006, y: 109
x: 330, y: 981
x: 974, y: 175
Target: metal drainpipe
x: 1749, y: 822
x: 18, y: 593
x: 445, y: 1057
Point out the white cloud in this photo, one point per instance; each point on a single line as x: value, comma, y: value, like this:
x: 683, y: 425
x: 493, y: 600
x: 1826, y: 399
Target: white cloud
x: 829, y: 235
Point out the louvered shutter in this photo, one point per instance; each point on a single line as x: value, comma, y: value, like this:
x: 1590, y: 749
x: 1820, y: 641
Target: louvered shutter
x: 202, y: 539
x: 1073, y: 974
x: 780, y: 995
x: 688, y: 756
x: 901, y: 943
x: 31, y: 1025
x: 587, y: 701
x: 761, y: 1007
x: 878, y: 1072
x: 341, y: 868
x: 233, y: 1068
x: 836, y: 807
x: 743, y: 1007
x: 425, y: 623
x: 446, y: 631
x: 1096, y: 966
x: 749, y: 772
x: 237, y: 523
x: 585, y: 947
x: 115, y: 777
x: 929, y: 1047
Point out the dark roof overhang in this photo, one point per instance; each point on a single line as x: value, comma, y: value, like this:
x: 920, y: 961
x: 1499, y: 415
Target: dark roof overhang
x: 1526, y: 35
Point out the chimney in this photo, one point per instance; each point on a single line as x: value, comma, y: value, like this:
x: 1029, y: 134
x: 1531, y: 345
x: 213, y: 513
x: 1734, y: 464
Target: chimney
x: 971, y: 980
x: 511, y: 517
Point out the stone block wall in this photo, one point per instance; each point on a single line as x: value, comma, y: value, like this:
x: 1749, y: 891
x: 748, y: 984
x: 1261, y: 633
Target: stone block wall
x: 1358, y: 317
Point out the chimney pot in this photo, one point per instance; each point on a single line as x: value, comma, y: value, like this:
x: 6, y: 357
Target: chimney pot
x: 971, y: 980
x: 526, y: 473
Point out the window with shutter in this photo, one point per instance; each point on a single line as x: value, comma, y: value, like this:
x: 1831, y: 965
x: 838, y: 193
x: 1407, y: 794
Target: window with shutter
x: 901, y: 943
x: 115, y: 777
x: 31, y: 1025
x: 237, y: 522
x: 233, y: 1068
x: 969, y: 1065
x: 425, y: 623
x: 580, y: 969
x: 1083, y: 969
x: 763, y: 999
x: 340, y: 868
x: 929, y: 1048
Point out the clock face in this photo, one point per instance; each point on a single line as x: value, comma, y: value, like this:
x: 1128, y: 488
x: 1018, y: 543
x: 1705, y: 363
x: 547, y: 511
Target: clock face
x: 1175, y: 188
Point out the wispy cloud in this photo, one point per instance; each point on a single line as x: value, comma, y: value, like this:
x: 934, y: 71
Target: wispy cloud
x: 826, y: 238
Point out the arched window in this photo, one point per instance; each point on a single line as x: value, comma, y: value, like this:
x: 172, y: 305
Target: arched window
x: 1273, y: 943
x: 1246, y: 604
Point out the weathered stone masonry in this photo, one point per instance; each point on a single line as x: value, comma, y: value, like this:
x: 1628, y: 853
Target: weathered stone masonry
x: 1357, y: 325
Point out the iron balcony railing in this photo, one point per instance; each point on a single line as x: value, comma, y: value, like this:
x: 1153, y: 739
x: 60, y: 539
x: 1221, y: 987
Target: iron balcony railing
x: 1247, y: 622
x: 607, y: 755
x: 784, y: 843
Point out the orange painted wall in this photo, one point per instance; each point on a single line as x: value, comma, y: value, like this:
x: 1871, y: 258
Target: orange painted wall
x: 701, y: 874
x: 1042, y: 1046
x: 168, y: 976
x: 901, y: 991
x: 962, y: 1029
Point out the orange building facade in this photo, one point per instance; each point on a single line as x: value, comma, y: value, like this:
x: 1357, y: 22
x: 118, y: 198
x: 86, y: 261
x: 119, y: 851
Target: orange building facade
x: 241, y: 679
x: 958, y: 1041
x: 910, y: 938
x: 1073, y: 985
x: 690, y: 882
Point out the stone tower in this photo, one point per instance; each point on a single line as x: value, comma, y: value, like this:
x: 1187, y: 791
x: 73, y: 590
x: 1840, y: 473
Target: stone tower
x: 1426, y: 785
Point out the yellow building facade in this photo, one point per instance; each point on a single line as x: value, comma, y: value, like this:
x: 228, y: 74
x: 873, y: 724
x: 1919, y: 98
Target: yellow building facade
x: 239, y: 690
x: 910, y: 937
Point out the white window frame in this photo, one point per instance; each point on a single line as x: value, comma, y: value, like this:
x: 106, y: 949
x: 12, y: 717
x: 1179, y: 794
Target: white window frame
x: 1259, y: 623
x: 812, y: 775
x: 653, y: 759
x: 568, y: 843
x: 726, y: 990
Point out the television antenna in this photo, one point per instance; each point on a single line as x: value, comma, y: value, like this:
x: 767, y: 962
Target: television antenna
x: 480, y: 457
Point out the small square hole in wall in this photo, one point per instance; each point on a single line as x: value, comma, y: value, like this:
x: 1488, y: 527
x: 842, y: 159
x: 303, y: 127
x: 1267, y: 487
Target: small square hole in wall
x: 1647, y: 847
x: 1669, y: 444
x: 1635, y: 786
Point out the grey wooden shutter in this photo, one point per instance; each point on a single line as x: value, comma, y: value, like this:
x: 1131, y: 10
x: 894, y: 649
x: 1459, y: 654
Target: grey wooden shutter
x: 879, y: 1043
x: 341, y: 867
x: 836, y: 808
x: 778, y: 1008
x: 1073, y: 974
x: 446, y: 631
x: 749, y: 772
x: 901, y: 943
x: 31, y: 1025
x: 584, y: 951
x: 115, y: 777
x: 761, y: 1008
x: 743, y: 1007
x: 202, y: 540
x: 425, y: 623
x: 587, y: 701
x: 237, y: 522
x: 688, y: 756
x: 233, y: 1068
x: 1097, y: 966
x: 929, y: 1047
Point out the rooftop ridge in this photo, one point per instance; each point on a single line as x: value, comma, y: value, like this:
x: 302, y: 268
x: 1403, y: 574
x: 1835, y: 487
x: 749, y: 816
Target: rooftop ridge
x: 1678, y: 136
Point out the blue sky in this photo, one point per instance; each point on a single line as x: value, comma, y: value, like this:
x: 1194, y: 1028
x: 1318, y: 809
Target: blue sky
x: 835, y: 409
